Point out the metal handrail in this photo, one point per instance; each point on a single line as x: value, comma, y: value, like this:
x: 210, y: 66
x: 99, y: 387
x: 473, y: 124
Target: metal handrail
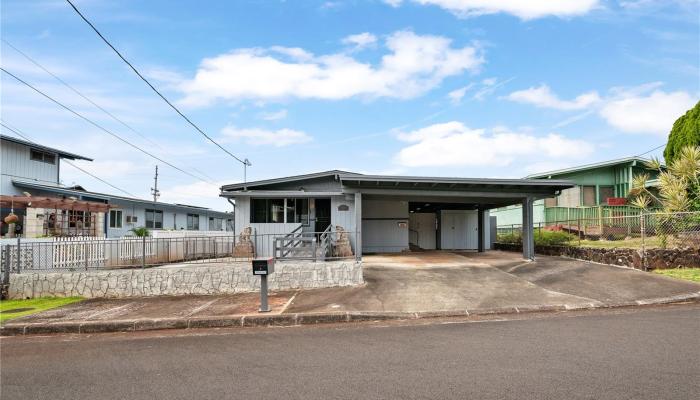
x: 324, y: 241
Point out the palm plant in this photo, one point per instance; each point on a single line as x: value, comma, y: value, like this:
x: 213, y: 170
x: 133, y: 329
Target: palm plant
x: 140, y: 231
x: 678, y: 184
x: 678, y: 191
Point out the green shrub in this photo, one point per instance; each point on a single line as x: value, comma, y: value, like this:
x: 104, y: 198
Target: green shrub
x: 542, y: 238
x: 510, y: 238
x: 553, y: 238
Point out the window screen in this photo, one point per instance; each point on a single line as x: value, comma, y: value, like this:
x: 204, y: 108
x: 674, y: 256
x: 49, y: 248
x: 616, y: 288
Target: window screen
x: 605, y: 192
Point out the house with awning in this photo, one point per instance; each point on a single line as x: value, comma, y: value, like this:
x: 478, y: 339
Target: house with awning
x: 386, y: 214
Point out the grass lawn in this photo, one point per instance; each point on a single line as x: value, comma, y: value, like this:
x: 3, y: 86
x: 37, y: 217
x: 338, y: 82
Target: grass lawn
x: 18, y: 308
x: 689, y: 274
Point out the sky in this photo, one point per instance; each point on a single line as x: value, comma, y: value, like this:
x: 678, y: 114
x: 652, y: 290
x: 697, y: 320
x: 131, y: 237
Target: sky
x: 467, y: 88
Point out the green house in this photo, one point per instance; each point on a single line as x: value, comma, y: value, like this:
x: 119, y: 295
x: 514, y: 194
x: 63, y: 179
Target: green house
x: 601, y: 189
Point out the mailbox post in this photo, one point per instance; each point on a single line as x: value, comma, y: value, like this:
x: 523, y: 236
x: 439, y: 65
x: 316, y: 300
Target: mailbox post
x: 263, y: 267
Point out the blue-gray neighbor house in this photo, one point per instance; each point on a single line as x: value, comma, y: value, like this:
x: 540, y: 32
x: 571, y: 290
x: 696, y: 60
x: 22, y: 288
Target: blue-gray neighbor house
x: 34, y: 169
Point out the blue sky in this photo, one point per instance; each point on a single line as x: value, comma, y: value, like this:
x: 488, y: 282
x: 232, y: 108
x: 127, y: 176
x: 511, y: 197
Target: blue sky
x: 467, y: 88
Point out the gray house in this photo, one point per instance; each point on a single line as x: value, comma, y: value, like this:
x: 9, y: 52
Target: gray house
x: 29, y: 167
x: 386, y: 214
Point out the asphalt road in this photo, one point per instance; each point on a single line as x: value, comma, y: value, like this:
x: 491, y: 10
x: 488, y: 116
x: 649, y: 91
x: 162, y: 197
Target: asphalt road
x: 648, y: 353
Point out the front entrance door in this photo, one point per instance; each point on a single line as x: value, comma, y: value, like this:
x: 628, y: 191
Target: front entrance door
x: 323, y: 214
x: 458, y: 230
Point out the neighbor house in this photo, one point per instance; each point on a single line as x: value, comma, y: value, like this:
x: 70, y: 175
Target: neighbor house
x: 600, y: 188
x: 30, y: 168
x: 384, y: 214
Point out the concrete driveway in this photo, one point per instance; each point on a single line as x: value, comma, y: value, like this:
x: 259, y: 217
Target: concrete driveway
x: 429, y: 281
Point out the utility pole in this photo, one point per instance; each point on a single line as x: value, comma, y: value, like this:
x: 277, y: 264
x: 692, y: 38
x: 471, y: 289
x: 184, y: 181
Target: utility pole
x: 154, y: 190
x: 246, y: 164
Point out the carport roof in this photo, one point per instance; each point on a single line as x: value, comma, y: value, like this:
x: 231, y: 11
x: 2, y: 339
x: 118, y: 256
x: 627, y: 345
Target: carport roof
x: 359, y: 179
x: 361, y: 182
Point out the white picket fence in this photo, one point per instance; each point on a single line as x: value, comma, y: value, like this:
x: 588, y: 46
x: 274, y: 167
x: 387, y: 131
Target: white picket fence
x: 78, y: 251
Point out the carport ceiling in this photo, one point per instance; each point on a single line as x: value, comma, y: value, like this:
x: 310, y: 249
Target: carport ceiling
x: 428, y: 207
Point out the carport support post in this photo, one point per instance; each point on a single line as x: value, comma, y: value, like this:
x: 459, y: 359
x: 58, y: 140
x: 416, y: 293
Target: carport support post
x: 480, y: 230
x: 528, y: 234
x: 358, y: 226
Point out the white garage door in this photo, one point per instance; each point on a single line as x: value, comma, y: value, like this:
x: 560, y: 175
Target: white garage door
x: 459, y: 230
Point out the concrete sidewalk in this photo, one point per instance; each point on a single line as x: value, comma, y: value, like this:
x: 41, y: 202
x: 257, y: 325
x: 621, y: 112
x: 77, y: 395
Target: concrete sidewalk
x: 401, y: 286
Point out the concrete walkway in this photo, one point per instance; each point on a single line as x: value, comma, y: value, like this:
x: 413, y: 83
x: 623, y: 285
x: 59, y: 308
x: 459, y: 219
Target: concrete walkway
x: 413, y: 285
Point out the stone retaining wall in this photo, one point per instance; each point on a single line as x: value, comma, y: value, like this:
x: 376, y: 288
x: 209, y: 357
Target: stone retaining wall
x: 633, y: 258
x: 184, y: 279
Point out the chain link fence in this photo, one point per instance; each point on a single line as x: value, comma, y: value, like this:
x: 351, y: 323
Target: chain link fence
x: 657, y: 230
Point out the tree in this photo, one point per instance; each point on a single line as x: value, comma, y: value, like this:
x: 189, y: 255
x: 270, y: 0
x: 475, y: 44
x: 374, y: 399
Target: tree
x: 685, y: 132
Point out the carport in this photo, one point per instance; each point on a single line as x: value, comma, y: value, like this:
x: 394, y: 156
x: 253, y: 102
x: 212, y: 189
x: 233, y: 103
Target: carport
x: 387, y: 214
x: 398, y: 213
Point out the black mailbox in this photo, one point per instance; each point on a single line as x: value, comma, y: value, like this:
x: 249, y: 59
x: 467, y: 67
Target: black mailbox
x: 263, y: 266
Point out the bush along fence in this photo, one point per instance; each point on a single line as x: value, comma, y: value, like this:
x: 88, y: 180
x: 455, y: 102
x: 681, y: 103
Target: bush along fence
x: 71, y: 254
x: 644, y: 241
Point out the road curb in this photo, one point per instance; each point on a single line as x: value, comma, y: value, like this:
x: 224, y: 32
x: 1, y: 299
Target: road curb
x: 297, y: 319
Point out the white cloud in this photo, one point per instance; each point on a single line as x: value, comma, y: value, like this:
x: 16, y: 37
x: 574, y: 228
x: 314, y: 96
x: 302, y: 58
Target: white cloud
x: 523, y: 9
x: 263, y: 137
x: 413, y: 65
x: 489, y: 86
x: 205, y: 194
x: 454, y: 144
x: 543, y: 97
x: 653, y: 113
x: 274, y: 115
x: 360, y: 40
x: 457, y: 94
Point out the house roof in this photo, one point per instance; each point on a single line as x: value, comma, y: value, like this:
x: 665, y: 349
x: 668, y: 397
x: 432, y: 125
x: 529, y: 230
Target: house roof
x: 293, y: 178
x: 61, y: 153
x: 585, y: 167
x: 401, y: 182
x: 104, y: 196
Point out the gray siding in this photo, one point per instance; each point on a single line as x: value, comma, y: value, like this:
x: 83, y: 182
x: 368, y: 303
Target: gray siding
x: 15, y: 164
x: 384, y: 226
x: 346, y: 219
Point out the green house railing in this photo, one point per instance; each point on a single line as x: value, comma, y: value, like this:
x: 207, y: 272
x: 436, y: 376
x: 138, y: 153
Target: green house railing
x: 554, y: 215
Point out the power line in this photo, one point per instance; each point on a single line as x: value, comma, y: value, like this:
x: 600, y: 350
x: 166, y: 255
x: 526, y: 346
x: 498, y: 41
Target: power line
x: 16, y: 131
x: 649, y: 151
x: 99, y: 126
x: 76, y: 91
x: 151, y: 86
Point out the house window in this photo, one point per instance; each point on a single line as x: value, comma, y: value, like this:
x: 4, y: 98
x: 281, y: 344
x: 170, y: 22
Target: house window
x: 154, y: 219
x: 229, y: 224
x: 38, y: 155
x: 192, y: 222
x: 270, y: 211
x: 215, y: 224
x: 588, y: 198
x: 298, y: 211
x: 605, y: 192
x: 79, y: 219
x: 115, y: 218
